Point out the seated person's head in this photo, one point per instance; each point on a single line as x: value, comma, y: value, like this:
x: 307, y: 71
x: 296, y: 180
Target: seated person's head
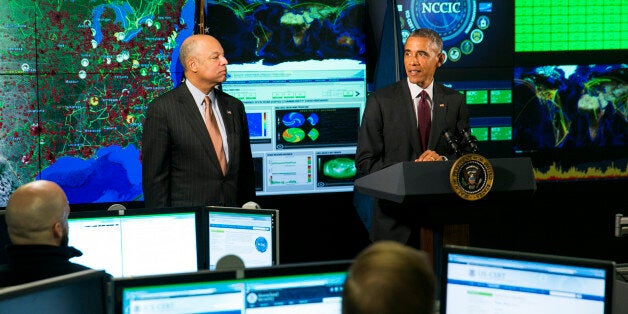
x: 37, y: 213
x: 389, y: 277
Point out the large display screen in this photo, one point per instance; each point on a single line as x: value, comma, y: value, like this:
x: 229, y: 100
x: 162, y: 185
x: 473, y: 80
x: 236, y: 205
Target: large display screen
x: 76, y: 77
x: 570, y: 25
x: 475, y: 33
x: 576, y: 112
x: 300, y: 70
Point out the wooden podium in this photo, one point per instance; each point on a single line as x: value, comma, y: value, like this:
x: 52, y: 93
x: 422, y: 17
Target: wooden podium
x: 425, y: 187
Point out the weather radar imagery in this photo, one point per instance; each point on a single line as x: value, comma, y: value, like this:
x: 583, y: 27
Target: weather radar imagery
x: 76, y: 77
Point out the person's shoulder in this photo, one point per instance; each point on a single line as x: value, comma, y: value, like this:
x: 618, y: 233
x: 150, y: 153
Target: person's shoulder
x: 389, y: 89
x: 171, y: 94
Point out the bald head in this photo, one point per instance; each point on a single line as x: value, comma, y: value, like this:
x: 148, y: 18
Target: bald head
x: 37, y: 213
x: 203, y: 61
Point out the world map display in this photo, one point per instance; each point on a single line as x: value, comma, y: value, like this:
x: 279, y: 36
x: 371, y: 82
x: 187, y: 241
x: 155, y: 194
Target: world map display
x: 76, y: 77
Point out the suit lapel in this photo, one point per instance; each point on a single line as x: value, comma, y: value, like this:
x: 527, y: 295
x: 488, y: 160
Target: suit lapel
x: 189, y: 109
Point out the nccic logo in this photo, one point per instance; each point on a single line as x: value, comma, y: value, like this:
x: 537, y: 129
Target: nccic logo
x: 461, y: 24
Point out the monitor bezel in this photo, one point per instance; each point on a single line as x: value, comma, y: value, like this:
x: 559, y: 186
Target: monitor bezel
x: 134, y: 212
x: 273, y: 213
x: 608, y: 266
x: 56, y: 285
x: 118, y: 285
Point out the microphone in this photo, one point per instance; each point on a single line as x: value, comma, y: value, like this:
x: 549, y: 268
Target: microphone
x: 251, y: 205
x: 449, y: 138
x: 470, y: 141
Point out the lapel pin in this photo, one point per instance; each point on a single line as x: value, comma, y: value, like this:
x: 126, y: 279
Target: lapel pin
x: 442, y: 105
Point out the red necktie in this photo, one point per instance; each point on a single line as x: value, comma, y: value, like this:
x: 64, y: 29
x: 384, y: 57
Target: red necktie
x: 214, y: 134
x: 424, y: 118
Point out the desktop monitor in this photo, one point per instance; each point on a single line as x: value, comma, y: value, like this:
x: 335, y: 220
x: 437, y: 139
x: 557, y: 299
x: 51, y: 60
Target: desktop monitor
x: 79, y: 292
x: 295, y: 288
x: 477, y: 280
x: 137, y: 242
x: 194, y: 292
x: 250, y: 234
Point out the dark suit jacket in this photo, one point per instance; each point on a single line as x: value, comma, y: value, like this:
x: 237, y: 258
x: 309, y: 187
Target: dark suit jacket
x: 179, y: 164
x: 389, y: 135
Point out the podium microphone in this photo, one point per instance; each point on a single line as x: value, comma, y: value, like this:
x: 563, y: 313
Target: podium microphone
x: 470, y: 141
x: 449, y: 138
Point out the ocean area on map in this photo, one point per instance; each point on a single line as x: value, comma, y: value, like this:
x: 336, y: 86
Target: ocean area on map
x: 113, y: 174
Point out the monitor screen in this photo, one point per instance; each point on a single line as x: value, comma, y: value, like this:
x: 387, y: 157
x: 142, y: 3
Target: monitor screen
x: 198, y: 292
x: 250, y: 234
x: 76, y: 79
x: 300, y: 70
x: 493, y: 281
x: 137, y: 241
x: 74, y: 293
x: 474, y: 33
x: 570, y: 25
x: 296, y: 288
x: 572, y: 118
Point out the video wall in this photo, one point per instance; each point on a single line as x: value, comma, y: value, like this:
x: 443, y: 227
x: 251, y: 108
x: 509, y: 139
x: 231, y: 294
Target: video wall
x: 543, y: 79
x: 550, y: 86
x: 76, y: 77
x: 300, y: 70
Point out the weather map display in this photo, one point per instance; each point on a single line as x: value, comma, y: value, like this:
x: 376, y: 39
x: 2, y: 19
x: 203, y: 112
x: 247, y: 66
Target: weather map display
x: 299, y: 68
x: 76, y: 79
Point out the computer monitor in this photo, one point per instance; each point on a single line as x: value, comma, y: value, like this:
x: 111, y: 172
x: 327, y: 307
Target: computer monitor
x: 137, y: 242
x: 79, y: 292
x: 477, y: 280
x: 250, y: 234
x: 196, y: 292
x: 295, y: 288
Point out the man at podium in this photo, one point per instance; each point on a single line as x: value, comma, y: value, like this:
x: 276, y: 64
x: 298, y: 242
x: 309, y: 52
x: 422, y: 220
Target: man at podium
x: 406, y: 121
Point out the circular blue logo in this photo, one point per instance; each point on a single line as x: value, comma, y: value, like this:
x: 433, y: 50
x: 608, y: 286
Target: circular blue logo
x: 457, y: 22
x: 261, y: 244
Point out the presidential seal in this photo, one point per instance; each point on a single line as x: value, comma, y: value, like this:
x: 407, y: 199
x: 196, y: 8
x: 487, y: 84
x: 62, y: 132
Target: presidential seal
x: 471, y: 177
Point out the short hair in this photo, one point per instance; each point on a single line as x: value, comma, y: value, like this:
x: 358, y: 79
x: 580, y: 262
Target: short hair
x: 390, y: 277
x: 430, y: 34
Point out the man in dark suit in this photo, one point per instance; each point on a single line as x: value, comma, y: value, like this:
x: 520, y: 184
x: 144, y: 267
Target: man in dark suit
x: 37, y: 223
x: 181, y: 161
x: 392, y: 124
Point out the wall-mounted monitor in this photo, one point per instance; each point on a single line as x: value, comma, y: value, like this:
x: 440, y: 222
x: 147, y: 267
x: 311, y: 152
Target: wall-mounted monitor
x: 488, y: 93
x: 76, y: 79
x: 577, y: 114
x: 475, y: 33
x: 300, y: 70
x: 575, y: 25
x: 498, y: 281
x: 136, y: 242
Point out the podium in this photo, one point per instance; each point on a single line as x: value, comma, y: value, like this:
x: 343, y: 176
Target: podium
x: 424, y: 187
